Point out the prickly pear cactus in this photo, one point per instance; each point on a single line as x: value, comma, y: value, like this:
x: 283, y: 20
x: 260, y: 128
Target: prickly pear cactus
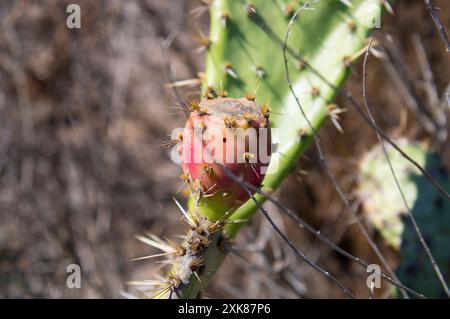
x: 385, y: 209
x: 245, y: 56
x: 244, y: 60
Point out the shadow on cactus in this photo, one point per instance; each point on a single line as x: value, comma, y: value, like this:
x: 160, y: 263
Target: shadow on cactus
x: 384, y: 208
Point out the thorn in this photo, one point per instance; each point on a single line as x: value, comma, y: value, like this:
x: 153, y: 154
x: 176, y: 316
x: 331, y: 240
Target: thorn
x: 201, y: 76
x: 237, y: 221
x: 350, y: 59
x: 377, y: 53
x: 333, y: 112
x: 222, y: 93
x: 194, y: 105
x: 254, y: 170
x: 250, y: 8
x: 171, y: 143
x: 230, y: 71
x: 200, y: 10
x: 202, y: 126
x: 197, y: 191
x: 188, y: 82
x: 173, y: 279
x: 388, y: 7
x: 248, y: 156
x: 153, y: 256
x: 206, y: 195
x: 203, y: 111
x: 208, y: 170
x: 303, y: 172
x: 209, y: 93
x: 302, y: 132
x: 347, y: 3
x: 205, y: 42
x: 224, y: 18
x: 197, y: 276
x: 146, y: 282
x: 248, y: 117
x: 229, y: 121
x: 352, y: 26
x: 267, y: 189
x: 265, y: 111
x: 162, y: 292
x: 289, y: 9
x: 127, y: 295
x: 185, y: 177
x: 347, y: 61
x: 155, y: 241
x: 260, y: 73
x: 315, y: 91
x: 186, y: 215
x: 250, y: 97
x: 218, y: 224
x: 301, y: 64
x: 195, y: 264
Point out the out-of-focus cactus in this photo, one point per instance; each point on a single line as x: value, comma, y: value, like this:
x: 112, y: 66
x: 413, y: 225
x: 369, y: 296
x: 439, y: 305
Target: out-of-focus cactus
x: 245, y: 59
x: 385, y: 209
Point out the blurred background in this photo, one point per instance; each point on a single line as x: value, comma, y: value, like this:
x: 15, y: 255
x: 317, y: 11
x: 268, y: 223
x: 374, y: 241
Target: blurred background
x: 83, y: 115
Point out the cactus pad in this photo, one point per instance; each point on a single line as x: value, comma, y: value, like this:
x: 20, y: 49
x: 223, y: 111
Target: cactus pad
x: 384, y: 208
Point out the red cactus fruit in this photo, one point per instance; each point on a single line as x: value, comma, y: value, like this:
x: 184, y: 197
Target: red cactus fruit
x: 220, y: 134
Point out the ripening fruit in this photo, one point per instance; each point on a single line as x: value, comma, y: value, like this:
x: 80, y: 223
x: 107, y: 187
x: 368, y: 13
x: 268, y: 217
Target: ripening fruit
x: 220, y: 134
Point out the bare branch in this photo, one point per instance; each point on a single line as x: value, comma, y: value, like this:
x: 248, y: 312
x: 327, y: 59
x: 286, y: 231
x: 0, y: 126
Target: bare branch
x: 408, y: 209
x: 438, y: 24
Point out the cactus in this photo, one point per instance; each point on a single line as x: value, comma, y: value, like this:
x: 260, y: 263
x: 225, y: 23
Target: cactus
x: 244, y: 58
x: 384, y: 209
x: 230, y: 132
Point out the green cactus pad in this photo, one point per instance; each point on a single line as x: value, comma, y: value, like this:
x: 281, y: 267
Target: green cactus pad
x: 384, y: 208
x: 245, y: 56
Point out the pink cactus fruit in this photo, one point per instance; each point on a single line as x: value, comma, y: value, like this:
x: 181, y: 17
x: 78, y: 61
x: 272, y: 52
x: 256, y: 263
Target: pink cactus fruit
x: 225, y: 133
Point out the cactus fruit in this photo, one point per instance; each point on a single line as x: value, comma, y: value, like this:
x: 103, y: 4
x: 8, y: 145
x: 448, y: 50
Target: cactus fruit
x: 244, y: 53
x: 385, y: 210
x: 224, y: 133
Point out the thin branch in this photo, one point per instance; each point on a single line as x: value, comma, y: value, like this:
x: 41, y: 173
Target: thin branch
x: 262, y: 275
x: 315, y: 232
x: 291, y: 245
x: 438, y: 114
x: 403, y: 80
x: 438, y: 24
x: 408, y: 209
x: 323, y: 160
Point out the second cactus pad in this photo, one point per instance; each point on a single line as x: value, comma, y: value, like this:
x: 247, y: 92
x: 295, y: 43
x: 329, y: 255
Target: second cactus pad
x: 385, y: 209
